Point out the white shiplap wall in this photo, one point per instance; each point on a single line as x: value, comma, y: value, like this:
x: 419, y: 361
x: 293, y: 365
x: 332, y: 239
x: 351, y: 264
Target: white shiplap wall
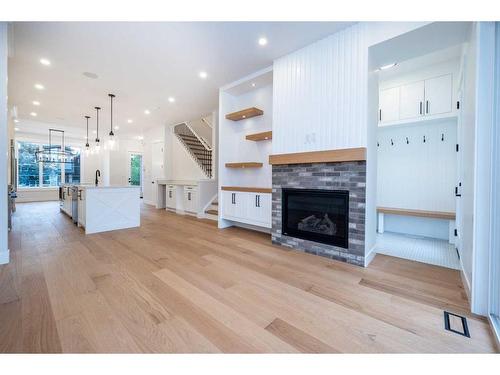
x: 320, y: 92
x: 418, y: 175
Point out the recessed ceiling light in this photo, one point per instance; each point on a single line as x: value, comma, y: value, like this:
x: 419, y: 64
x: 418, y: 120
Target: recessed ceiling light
x: 262, y: 41
x: 94, y: 132
x: 130, y: 121
x: 90, y: 75
x: 45, y: 62
x: 39, y: 86
x: 171, y: 99
x: 253, y: 84
x: 388, y: 66
x: 117, y: 127
x: 33, y: 114
x: 16, y: 120
x: 147, y: 111
x: 16, y: 129
x: 36, y: 102
x: 140, y: 138
x: 243, y: 116
x: 203, y: 75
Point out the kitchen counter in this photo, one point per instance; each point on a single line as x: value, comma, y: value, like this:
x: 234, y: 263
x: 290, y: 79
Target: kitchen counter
x: 110, y: 207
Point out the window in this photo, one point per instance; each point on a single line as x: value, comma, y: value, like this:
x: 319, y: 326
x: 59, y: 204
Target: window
x: 28, y: 169
x: 34, y: 174
x: 72, y: 170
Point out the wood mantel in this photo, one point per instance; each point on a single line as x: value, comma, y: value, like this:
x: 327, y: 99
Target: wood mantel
x: 329, y: 156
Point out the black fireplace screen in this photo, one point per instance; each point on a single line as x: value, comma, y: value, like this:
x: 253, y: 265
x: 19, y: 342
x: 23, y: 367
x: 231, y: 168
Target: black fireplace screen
x: 316, y: 215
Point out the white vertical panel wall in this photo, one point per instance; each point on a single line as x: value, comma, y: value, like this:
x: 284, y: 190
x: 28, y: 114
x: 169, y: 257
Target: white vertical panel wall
x: 320, y: 93
x: 417, y: 175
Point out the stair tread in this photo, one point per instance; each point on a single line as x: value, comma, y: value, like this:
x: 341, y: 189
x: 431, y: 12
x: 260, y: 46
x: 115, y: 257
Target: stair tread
x: 212, y: 212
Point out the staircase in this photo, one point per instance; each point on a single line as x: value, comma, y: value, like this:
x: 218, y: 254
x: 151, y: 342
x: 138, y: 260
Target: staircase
x: 197, y: 147
x: 212, y: 211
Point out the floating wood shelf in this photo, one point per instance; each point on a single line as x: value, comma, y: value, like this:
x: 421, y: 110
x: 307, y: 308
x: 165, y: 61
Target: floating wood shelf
x: 244, y: 114
x: 260, y: 136
x: 247, y: 189
x: 330, y: 156
x: 420, y: 213
x: 244, y: 165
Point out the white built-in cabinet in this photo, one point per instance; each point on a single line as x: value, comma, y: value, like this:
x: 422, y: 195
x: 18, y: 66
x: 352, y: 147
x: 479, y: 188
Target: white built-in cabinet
x: 246, y: 207
x: 416, y: 100
x: 190, y: 199
x: 170, y: 198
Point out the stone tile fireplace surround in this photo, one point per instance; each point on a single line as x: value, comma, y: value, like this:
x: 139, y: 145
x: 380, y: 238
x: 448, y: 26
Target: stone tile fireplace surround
x: 342, y: 175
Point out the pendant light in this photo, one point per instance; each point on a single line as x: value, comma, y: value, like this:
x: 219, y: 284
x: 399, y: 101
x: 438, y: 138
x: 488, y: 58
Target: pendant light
x: 111, y: 134
x: 87, y: 146
x: 97, y: 135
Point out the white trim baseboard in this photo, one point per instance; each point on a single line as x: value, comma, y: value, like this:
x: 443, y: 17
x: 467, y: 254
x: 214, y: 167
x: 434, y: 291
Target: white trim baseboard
x: 4, y: 257
x: 465, y: 281
x: 371, y: 254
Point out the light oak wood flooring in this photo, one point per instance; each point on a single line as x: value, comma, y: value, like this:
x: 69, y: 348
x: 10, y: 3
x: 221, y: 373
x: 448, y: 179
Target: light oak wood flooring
x: 180, y: 285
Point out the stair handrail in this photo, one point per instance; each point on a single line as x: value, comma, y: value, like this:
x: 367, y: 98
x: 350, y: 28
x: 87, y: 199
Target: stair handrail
x: 184, y: 128
x: 202, y: 141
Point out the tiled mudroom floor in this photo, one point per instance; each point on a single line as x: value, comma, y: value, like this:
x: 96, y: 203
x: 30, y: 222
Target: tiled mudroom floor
x: 420, y: 249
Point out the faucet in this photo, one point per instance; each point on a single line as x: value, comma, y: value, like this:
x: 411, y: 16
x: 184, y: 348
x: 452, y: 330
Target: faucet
x: 97, y: 173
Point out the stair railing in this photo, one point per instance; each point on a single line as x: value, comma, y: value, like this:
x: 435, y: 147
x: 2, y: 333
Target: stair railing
x: 201, y: 155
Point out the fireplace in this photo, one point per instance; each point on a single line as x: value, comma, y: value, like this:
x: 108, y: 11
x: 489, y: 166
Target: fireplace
x: 316, y: 215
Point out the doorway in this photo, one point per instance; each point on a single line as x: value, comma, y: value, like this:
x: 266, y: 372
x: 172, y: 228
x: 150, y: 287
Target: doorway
x: 135, y: 170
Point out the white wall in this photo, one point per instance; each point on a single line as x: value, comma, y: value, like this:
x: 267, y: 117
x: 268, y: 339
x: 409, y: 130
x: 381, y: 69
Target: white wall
x: 4, y: 139
x: 467, y: 139
x: 154, y: 165
x: 233, y: 147
x: 417, y: 175
x: 320, y: 91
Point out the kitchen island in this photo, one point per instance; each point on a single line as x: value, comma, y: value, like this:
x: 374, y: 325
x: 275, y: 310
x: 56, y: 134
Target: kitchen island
x: 105, y: 208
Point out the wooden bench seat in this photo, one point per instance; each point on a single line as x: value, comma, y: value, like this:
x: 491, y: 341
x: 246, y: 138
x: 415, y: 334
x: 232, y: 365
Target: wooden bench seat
x: 420, y: 213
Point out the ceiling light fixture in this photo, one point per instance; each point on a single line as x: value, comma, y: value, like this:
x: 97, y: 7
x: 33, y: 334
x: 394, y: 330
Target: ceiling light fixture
x: 36, y: 102
x: 111, y: 134
x: 45, y: 62
x: 117, y: 127
x: 55, y: 153
x: 130, y: 121
x: 171, y: 99
x: 87, y: 146
x: 203, y: 75
x: 262, y: 41
x: 140, y: 138
x: 39, y: 86
x: 147, y: 111
x: 16, y: 120
x: 97, y: 140
x: 16, y: 129
x: 253, y: 84
x: 34, y: 114
x: 388, y: 66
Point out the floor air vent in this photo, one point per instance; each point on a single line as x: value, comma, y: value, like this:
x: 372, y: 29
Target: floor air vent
x: 456, y: 323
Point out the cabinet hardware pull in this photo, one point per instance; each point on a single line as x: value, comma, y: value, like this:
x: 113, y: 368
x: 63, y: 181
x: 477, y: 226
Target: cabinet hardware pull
x: 380, y: 114
x: 420, y: 108
x: 427, y: 106
x: 256, y: 201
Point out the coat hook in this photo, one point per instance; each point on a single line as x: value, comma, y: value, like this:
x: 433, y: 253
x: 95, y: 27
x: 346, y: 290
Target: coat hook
x: 442, y: 136
x: 424, y: 138
x: 407, y: 141
x: 378, y: 145
x: 392, y: 143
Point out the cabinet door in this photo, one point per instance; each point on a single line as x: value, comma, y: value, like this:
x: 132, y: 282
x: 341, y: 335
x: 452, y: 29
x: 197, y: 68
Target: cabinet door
x: 389, y: 105
x: 189, y: 199
x: 171, y: 202
x: 228, y: 205
x: 259, y: 208
x: 438, y: 95
x: 411, y: 102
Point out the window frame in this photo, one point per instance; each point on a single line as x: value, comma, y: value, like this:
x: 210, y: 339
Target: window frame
x: 40, y: 166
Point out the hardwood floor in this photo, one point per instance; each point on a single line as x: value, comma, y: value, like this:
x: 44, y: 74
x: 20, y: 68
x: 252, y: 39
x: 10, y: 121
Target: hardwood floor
x: 178, y: 284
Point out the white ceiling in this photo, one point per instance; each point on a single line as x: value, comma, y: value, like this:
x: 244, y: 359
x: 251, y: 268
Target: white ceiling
x: 142, y: 64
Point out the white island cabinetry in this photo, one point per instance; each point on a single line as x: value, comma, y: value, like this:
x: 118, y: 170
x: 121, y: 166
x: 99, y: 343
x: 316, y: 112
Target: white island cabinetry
x: 105, y: 208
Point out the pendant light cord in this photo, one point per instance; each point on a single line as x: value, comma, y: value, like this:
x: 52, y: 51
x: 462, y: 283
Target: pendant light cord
x: 97, y: 118
x: 111, y: 96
